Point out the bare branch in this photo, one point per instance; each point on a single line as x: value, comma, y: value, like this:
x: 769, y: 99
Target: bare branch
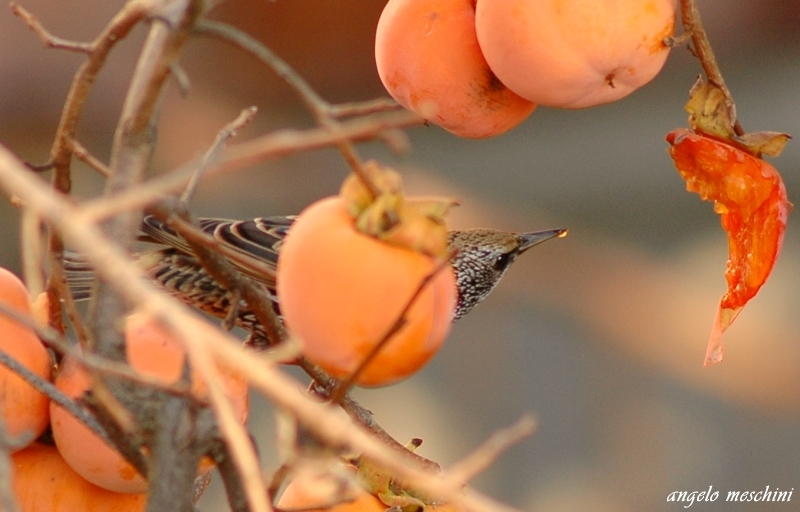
x: 7, y: 446
x: 363, y: 108
x: 61, y: 151
x: 92, y: 362
x: 46, y: 37
x: 319, y: 108
x: 279, y: 143
x: 485, y: 455
x: 227, y: 132
x: 53, y: 393
x: 83, y: 154
x: 257, y: 49
x: 31, y: 242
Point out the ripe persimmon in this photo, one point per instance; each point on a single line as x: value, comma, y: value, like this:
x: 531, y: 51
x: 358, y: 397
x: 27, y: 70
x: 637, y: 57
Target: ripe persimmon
x: 25, y: 410
x: 341, y: 290
x: 574, y: 53
x: 152, y: 351
x: 429, y: 60
x: 44, y: 482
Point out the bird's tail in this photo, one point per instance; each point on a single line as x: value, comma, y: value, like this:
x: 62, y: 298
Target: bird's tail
x: 79, y: 274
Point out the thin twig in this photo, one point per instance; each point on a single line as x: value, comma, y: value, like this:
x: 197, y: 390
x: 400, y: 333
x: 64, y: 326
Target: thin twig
x: 363, y: 416
x: 319, y: 108
x: 31, y: 241
x: 261, y: 52
x: 343, y: 387
x: 236, y: 437
x: 362, y: 108
x: 118, y: 424
x: 182, y: 79
x: 53, y: 394
x: 485, y: 455
x: 279, y: 143
x: 53, y: 339
x: 60, y: 153
x: 7, y: 446
x: 83, y: 154
x: 46, y: 37
x: 210, y: 156
x: 132, y: 200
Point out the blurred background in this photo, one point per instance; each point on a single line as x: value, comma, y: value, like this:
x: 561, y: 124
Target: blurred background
x: 600, y: 335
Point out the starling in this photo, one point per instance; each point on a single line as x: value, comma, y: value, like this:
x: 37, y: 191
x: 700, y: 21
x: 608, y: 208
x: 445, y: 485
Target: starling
x: 482, y: 258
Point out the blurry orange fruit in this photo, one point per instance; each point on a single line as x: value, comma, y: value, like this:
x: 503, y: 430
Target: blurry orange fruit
x: 25, y: 410
x: 429, y: 60
x: 340, y: 291
x: 152, y: 351
x: 43, y: 482
x: 574, y: 53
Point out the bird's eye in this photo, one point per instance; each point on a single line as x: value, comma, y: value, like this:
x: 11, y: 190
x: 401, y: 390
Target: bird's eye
x: 502, y: 261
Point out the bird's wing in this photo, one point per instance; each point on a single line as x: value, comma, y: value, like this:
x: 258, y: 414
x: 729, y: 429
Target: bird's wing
x: 252, y: 245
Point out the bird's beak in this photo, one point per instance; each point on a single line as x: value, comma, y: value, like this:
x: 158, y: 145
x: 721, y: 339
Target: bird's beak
x: 528, y: 240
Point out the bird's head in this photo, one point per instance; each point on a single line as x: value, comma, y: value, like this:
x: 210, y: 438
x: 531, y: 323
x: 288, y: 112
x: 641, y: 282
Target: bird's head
x: 482, y: 258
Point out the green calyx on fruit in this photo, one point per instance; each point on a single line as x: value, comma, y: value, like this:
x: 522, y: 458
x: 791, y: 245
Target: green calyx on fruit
x: 415, y: 223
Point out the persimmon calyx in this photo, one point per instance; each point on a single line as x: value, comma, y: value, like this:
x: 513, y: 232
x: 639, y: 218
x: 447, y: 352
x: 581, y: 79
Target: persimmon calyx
x: 712, y: 114
x: 380, y: 482
x: 415, y: 223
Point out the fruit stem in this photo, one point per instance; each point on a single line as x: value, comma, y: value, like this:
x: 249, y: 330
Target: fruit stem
x: 693, y: 25
x: 351, y: 157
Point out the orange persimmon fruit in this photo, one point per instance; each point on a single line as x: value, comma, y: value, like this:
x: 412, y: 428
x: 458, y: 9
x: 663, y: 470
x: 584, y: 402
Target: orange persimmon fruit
x: 25, y: 410
x: 429, y: 60
x: 154, y: 352
x: 574, y: 53
x: 341, y: 290
x: 44, y: 482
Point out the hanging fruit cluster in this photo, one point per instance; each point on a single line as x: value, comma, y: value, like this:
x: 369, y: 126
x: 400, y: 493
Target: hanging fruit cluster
x: 81, y: 472
x: 478, y: 68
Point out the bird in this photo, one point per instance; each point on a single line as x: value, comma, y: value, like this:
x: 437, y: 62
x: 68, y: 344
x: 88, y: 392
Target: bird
x: 481, y: 258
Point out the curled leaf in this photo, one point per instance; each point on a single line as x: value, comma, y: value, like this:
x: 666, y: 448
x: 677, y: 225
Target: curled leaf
x: 435, y: 208
x: 767, y: 143
x: 710, y: 112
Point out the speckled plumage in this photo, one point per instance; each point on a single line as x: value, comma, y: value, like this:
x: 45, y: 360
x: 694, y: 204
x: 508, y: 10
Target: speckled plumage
x: 483, y: 256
